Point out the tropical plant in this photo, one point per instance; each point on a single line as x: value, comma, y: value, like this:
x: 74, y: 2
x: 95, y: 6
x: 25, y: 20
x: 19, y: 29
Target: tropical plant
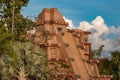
x: 27, y: 58
x: 96, y: 53
x: 22, y: 75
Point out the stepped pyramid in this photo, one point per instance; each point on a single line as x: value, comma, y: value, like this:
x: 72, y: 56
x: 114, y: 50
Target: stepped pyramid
x: 67, y: 49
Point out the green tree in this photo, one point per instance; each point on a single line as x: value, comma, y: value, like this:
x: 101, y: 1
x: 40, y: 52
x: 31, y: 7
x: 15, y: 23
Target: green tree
x: 5, y: 40
x: 115, y: 64
x: 11, y: 13
x: 104, y: 66
x: 5, y: 47
x: 18, y: 56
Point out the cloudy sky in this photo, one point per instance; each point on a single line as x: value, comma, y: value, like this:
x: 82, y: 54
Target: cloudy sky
x: 101, y: 17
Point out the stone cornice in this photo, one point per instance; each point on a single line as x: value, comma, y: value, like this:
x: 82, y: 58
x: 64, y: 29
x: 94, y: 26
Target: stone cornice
x: 51, y: 22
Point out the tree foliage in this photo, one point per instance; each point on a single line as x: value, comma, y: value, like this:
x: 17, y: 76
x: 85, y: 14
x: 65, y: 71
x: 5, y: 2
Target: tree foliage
x: 5, y: 40
x: 96, y: 53
x: 115, y: 64
x: 111, y: 66
x: 26, y: 56
x: 104, y: 66
x: 20, y: 24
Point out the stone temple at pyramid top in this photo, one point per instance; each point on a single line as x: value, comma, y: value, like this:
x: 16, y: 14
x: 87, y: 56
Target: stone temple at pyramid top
x: 50, y: 19
x: 50, y: 14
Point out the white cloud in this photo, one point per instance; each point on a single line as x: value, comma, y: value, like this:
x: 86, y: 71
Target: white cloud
x: 98, y: 25
x: 85, y: 23
x: 115, y: 30
x: 101, y: 34
x: 71, y: 25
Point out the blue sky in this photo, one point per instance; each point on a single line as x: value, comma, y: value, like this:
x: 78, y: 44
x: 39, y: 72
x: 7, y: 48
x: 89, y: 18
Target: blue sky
x: 79, y: 10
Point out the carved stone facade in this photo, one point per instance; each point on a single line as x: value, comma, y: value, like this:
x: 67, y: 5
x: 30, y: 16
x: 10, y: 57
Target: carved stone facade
x: 68, y: 49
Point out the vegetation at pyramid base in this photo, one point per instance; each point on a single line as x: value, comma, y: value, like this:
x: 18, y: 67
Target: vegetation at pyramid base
x: 115, y: 64
x: 18, y: 57
x: 108, y: 66
x: 28, y: 56
x: 111, y: 66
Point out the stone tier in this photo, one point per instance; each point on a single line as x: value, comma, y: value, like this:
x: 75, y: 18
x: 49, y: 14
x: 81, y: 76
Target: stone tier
x: 61, y: 75
x: 87, y: 54
x: 92, y: 61
x: 70, y: 30
x: 86, y: 43
x: 85, y: 32
x: 58, y: 60
x: 49, y: 45
x: 103, y: 77
x: 51, y: 22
